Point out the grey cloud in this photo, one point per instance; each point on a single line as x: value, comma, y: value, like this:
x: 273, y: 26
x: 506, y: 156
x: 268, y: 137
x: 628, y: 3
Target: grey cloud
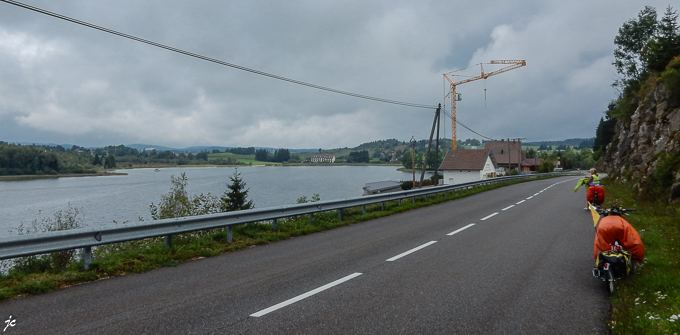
x: 66, y: 83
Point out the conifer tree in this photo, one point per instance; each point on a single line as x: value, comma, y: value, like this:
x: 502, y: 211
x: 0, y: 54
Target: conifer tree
x: 236, y: 197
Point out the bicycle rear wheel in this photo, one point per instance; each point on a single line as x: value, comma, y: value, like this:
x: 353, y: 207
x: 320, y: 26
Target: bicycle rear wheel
x: 609, y: 280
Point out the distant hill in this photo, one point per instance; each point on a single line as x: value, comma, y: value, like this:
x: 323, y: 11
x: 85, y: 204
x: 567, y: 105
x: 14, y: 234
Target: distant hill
x: 572, y: 142
x: 197, y: 149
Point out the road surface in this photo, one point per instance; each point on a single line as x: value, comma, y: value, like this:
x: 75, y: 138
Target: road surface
x: 515, y: 260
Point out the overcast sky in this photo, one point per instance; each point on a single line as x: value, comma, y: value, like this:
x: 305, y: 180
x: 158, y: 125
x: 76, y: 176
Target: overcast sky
x: 68, y: 84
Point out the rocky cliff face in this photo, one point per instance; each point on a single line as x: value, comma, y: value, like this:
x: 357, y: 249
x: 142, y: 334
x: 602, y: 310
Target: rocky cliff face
x: 646, y: 148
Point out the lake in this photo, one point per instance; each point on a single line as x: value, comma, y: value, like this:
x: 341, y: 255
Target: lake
x: 102, y: 200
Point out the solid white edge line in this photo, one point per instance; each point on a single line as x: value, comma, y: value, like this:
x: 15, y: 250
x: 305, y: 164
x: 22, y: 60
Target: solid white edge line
x: 460, y: 230
x: 410, y: 251
x: 489, y: 216
x: 303, y: 296
x: 506, y: 208
x: 520, y: 202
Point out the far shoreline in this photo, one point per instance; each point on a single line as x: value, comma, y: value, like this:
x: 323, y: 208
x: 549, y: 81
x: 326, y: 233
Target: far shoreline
x: 162, y: 166
x: 56, y: 176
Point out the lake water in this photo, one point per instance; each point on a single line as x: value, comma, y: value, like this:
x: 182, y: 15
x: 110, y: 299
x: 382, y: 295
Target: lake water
x: 126, y: 198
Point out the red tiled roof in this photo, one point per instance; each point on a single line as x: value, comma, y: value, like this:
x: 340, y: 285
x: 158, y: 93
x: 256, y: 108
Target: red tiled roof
x: 532, y: 162
x: 465, y: 159
x: 506, y: 152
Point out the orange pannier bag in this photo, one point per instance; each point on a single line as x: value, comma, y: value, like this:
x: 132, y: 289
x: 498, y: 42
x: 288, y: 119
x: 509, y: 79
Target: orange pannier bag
x: 614, y: 227
x: 591, y: 194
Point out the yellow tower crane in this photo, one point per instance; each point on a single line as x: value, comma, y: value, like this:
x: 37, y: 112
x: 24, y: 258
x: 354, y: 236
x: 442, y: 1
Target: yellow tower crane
x: 512, y: 64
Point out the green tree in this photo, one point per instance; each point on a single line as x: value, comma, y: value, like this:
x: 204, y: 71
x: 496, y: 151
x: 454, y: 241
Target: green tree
x: 434, y: 161
x: 666, y: 43
x: 634, y: 36
x: 202, y: 156
x: 110, y: 162
x: 236, y: 197
x: 603, y: 136
x: 262, y: 155
x: 546, y: 166
x: 358, y: 157
x: 281, y: 155
x: 177, y: 203
x: 531, y: 153
x: 407, y: 159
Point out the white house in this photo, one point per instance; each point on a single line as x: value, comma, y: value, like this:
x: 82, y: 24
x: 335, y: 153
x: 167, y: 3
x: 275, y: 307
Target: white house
x: 322, y: 158
x: 462, y: 166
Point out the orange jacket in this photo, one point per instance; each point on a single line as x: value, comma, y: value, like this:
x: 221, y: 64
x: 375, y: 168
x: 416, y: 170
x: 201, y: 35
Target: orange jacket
x: 614, y: 227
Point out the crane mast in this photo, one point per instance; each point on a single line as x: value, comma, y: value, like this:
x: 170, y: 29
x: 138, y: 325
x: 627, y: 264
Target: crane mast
x: 512, y: 64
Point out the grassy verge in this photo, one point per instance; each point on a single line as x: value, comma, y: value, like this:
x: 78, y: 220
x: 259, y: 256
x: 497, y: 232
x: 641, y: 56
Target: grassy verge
x: 649, y: 301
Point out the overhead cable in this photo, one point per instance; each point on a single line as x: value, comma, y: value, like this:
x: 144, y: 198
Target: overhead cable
x: 187, y: 53
x: 466, y: 127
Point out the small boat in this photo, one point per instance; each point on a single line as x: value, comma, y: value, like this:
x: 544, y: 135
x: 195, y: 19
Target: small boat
x: 157, y: 170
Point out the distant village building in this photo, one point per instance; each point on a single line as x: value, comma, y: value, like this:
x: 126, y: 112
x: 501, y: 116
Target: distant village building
x: 509, y: 155
x: 322, y: 158
x: 462, y: 166
x: 530, y: 165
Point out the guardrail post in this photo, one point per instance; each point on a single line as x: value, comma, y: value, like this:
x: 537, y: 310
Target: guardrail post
x: 383, y: 206
x: 168, y: 242
x: 87, y: 257
x: 274, y: 224
x: 413, y: 200
x: 340, y: 214
x: 363, y: 209
x: 229, y: 234
x: 399, y: 202
x: 311, y: 217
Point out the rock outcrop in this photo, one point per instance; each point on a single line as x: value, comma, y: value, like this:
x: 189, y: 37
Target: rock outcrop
x: 646, y: 148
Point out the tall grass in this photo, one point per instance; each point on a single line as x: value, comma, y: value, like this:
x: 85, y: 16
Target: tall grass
x: 649, y: 301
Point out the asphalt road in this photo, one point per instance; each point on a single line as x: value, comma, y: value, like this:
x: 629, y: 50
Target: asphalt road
x: 516, y: 260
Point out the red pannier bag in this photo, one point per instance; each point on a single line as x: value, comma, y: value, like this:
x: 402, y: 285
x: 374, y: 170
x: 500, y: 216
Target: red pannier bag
x: 593, y: 191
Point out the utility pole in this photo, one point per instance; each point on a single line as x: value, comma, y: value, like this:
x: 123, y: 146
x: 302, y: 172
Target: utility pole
x: 413, y: 158
x: 436, y: 160
x: 509, y: 159
x: 435, y: 123
x: 519, y: 152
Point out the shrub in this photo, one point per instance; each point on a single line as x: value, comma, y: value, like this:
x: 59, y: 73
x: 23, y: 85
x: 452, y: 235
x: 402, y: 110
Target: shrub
x: 670, y: 78
x: 61, y: 220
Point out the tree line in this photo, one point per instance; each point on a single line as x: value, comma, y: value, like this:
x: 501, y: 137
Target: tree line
x: 43, y: 160
x: 279, y: 155
x: 16, y: 159
x: 647, y: 49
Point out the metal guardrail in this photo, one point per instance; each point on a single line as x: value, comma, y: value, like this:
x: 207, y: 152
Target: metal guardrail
x: 86, y: 238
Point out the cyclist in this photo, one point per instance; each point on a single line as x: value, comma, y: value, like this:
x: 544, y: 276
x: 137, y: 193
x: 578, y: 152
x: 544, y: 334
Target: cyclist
x: 595, y: 191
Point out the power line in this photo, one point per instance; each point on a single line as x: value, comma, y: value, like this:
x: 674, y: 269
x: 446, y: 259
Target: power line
x: 187, y: 53
x: 466, y: 127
